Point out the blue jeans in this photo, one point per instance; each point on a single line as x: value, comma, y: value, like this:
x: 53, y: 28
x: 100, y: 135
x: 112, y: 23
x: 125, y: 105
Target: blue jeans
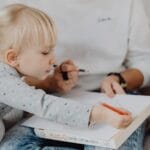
x: 24, y: 138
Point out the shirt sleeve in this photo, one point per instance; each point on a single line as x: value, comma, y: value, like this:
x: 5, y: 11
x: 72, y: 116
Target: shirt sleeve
x: 14, y: 92
x: 138, y: 55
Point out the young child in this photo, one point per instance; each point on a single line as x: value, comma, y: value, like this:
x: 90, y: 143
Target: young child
x: 27, y: 41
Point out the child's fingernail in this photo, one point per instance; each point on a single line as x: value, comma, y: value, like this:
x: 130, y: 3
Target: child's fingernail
x: 70, y: 76
x: 64, y: 68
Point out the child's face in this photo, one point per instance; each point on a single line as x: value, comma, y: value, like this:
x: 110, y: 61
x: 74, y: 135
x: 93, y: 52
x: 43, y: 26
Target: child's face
x: 36, y: 62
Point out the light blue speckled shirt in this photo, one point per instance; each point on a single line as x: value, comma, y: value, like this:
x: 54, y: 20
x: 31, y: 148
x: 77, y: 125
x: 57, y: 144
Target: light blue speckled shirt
x: 16, y: 93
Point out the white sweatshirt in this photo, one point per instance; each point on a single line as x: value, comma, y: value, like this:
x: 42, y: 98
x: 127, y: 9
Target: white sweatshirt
x: 101, y: 36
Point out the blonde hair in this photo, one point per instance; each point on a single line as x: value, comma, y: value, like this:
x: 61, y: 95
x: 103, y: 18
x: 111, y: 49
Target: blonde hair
x: 22, y: 26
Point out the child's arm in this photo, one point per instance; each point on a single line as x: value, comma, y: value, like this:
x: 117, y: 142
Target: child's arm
x: 102, y: 114
x: 16, y: 93
x: 55, y: 82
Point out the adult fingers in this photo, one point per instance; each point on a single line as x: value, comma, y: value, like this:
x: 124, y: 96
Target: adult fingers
x: 117, y: 88
x: 107, y: 88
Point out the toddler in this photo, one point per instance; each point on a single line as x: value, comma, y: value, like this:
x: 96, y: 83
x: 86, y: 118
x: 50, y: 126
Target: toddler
x: 27, y: 41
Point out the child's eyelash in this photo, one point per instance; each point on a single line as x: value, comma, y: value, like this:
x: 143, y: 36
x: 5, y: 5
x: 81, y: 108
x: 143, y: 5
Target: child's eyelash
x: 44, y: 53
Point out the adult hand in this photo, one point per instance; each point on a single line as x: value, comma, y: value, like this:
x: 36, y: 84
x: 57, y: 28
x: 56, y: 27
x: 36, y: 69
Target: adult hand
x: 110, y: 85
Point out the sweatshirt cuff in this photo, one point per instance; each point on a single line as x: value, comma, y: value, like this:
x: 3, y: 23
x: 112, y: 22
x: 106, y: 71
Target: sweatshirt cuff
x: 145, y: 71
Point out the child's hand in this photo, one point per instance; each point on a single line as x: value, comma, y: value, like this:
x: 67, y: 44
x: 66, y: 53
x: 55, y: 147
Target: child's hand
x: 101, y: 114
x: 110, y: 85
x: 62, y: 85
x: 32, y: 81
x: 56, y: 83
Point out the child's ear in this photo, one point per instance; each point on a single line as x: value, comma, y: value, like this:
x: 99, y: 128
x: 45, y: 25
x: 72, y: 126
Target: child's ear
x: 11, y: 57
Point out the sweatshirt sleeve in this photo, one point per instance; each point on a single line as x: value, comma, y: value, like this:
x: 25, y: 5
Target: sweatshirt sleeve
x: 14, y: 92
x: 138, y: 55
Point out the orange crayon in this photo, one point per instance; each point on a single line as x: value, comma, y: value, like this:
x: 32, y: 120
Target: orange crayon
x: 114, y: 109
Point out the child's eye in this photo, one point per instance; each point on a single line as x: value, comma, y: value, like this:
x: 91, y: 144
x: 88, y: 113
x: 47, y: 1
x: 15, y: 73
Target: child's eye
x: 44, y: 53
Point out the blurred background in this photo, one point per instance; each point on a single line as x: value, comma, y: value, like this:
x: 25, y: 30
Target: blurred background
x: 3, y: 3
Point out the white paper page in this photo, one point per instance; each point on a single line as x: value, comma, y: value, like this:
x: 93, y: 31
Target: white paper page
x: 135, y: 104
x: 101, y: 132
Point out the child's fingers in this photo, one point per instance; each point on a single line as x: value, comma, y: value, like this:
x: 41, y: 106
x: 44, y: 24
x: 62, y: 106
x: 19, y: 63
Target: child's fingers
x: 67, y: 67
x: 127, y: 119
x: 72, y: 75
x: 30, y: 80
x: 68, y: 62
x: 122, y: 121
x: 65, y: 86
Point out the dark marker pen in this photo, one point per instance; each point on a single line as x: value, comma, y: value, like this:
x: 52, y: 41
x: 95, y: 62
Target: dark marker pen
x: 65, y: 73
